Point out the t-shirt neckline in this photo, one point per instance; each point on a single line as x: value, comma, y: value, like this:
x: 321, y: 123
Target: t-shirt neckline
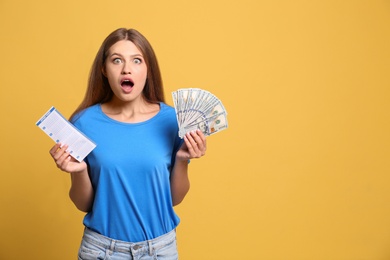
x: 161, y: 104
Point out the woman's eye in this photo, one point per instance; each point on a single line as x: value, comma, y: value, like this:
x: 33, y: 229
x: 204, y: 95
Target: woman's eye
x: 117, y: 61
x: 137, y: 61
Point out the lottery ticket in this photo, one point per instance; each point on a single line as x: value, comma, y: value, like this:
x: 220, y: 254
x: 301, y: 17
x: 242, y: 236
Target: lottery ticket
x: 62, y: 131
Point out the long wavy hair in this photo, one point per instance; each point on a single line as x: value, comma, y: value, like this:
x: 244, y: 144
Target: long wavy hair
x: 99, y: 90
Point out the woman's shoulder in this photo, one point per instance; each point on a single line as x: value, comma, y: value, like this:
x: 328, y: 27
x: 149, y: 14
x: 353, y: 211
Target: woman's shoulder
x: 166, y: 108
x: 86, y: 113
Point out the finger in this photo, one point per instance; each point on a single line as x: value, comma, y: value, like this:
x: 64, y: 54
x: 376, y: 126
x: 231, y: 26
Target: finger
x: 203, y: 137
x: 54, y: 148
x: 62, y: 160
x: 192, y: 138
x: 59, y: 152
x: 200, y: 140
x: 61, y: 156
x: 192, y: 145
x: 65, y: 162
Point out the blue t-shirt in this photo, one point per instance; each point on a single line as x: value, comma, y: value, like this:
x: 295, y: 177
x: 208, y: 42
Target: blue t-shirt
x: 130, y: 173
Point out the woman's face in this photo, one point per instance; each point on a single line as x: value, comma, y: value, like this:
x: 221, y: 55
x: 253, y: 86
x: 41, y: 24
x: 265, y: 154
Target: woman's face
x: 126, y: 71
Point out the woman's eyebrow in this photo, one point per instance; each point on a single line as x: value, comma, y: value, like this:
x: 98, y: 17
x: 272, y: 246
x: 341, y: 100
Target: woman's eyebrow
x: 133, y: 55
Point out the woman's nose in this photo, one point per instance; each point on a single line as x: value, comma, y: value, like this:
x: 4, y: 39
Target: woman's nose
x: 126, y: 68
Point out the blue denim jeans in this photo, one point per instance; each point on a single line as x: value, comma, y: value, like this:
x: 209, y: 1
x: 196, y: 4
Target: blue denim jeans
x: 95, y: 246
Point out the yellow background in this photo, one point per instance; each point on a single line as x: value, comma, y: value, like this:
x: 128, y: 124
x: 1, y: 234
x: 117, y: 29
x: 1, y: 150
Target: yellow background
x: 303, y: 172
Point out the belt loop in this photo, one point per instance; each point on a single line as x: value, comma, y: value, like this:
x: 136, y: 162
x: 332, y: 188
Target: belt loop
x: 112, y: 245
x: 150, y: 248
x: 131, y: 252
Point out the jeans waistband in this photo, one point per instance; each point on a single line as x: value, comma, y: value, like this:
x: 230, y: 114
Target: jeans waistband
x: 129, y: 247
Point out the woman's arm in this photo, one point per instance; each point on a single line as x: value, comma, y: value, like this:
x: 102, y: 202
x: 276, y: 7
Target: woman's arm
x: 81, y: 191
x: 180, y: 183
x: 194, y: 146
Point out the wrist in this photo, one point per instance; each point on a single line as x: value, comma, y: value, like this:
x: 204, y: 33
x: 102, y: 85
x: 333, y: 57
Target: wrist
x: 181, y: 160
x: 79, y: 172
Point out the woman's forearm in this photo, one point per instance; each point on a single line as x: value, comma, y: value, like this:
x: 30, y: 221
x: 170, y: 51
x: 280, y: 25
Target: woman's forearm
x: 194, y: 147
x: 81, y: 191
x: 180, y: 183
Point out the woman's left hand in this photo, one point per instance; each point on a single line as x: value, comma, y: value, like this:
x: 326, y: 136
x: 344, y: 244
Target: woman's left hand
x: 194, y: 146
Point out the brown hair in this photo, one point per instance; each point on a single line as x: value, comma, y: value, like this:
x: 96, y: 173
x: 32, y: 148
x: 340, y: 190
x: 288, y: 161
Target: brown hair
x: 99, y: 90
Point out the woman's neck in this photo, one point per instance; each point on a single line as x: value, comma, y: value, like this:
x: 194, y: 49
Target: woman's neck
x: 130, y: 112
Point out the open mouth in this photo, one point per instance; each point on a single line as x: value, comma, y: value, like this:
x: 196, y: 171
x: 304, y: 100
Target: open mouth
x: 126, y: 83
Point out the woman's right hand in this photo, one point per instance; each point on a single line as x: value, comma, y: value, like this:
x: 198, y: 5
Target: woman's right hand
x: 64, y: 161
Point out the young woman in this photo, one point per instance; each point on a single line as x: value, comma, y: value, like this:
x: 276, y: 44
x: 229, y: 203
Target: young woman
x: 130, y: 182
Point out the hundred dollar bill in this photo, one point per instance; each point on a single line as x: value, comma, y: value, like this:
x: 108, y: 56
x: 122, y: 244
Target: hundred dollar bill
x: 199, y: 109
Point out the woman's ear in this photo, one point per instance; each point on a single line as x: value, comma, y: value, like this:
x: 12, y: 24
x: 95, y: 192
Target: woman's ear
x: 104, y: 71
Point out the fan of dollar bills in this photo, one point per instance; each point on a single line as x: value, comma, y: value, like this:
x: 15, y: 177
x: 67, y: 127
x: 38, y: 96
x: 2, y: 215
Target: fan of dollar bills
x: 199, y: 109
